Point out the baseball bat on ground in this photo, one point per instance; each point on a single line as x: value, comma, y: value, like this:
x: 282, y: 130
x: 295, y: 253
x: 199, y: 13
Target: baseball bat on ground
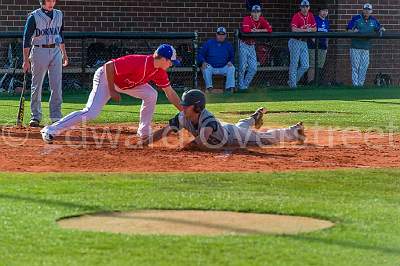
x: 21, y: 108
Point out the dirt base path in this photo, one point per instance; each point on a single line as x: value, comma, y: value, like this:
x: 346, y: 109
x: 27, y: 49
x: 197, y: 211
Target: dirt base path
x: 113, y: 149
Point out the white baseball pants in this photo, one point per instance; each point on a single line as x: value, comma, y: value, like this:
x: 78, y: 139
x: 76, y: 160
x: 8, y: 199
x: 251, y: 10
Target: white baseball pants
x: 99, y: 97
x: 242, y: 134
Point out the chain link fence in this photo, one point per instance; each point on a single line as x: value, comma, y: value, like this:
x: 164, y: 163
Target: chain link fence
x: 89, y: 51
x: 333, y: 64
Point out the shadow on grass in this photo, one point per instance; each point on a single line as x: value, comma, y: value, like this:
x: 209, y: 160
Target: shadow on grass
x: 50, y: 202
x: 261, y: 95
x: 343, y: 243
x: 386, y: 103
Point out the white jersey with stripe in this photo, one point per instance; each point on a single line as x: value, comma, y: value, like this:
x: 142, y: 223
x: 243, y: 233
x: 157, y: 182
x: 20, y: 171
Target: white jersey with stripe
x: 219, y: 136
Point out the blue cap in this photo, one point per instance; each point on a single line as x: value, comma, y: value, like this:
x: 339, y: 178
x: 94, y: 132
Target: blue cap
x: 367, y: 6
x: 221, y: 30
x: 256, y: 8
x: 305, y: 3
x: 168, y: 52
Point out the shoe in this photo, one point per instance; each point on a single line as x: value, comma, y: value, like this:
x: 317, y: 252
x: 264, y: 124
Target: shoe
x: 299, y: 133
x: 144, y: 141
x: 258, y: 117
x: 47, y: 138
x: 34, y: 123
x: 292, y: 86
x: 230, y: 90
x: 208, y: 90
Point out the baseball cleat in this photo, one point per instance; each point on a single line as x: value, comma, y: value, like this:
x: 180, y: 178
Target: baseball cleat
x: 258, y: 117
x: 208, y: 90
x: 230, y: 90
x: 144, y: 141
x: 47, y: 138
x: 34, y: 123
x: 299, y: 133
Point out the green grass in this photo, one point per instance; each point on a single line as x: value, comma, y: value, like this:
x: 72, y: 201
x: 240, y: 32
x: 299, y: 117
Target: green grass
x: 327, y: 107
x: 363, y: 203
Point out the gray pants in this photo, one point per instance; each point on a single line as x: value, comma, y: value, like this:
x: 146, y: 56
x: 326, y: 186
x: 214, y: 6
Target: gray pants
x: 298, y: 54
x: 241, y: 134
x: 359, y: 65
x: 228, y: 71
x: 46, y: 60
x: 247, y: 65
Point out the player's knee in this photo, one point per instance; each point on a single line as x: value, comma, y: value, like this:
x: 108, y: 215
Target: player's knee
x: 252, y: 68
x: 231, y: 69
x: 151, y: 97
x: 304, y: 65
x: 91, y: 113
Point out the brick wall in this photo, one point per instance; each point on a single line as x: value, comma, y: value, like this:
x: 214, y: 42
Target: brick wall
x: 145, y: 15
x: 205, y: 16
x: 384, y: 53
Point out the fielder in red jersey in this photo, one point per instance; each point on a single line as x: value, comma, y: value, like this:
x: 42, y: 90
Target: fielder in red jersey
x: 129, y: 75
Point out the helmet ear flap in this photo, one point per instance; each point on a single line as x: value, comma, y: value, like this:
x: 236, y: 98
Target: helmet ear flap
x: 197, y: 109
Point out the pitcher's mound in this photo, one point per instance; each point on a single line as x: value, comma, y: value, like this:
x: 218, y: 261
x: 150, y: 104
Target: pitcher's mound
x: 208, y: 223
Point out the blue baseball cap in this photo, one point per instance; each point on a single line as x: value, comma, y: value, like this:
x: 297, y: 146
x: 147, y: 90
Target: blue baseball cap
x: 168, y: 52
x: 367, y: 6
x: 305, y: 3
x: 221, y: 30
x: 256, y: 8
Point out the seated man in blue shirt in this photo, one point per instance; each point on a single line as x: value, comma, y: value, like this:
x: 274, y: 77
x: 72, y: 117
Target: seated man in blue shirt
x: 216, y: 58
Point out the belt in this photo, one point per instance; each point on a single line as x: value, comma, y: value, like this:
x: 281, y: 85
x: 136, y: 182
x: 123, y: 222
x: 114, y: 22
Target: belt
x: 300, y: 39
x: 248, y: 42
x: 46, y: 45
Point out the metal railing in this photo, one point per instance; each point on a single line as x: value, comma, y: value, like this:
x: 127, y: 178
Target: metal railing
x: 89, y: 50
x: 273, y: 56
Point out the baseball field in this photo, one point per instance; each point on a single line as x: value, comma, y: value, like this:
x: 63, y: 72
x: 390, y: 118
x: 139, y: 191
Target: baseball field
x: 346, y: 173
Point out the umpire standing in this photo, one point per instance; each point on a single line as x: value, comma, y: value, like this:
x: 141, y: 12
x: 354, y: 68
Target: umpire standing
x: 44, y: 52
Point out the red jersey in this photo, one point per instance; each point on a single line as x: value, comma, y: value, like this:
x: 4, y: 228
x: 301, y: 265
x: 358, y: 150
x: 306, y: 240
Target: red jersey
x: 303, y: 22
x: 134, y: 70
x: 249, y: 23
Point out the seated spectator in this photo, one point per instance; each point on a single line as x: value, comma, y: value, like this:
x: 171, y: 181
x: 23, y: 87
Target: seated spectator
x: 322, y: 26
x: 302, y: 21
x: 248, y: 56
x: 216, y: 57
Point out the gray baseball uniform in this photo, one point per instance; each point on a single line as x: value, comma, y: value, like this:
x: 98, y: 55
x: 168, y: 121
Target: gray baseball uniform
x: 239, y: 134
x: 45, y: 57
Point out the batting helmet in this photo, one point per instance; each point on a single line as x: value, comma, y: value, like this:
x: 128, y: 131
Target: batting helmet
x: 195, y: 98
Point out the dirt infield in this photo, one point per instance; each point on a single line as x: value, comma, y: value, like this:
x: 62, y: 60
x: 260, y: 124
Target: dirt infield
x: 208, y: 223
x: 112, y: 149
